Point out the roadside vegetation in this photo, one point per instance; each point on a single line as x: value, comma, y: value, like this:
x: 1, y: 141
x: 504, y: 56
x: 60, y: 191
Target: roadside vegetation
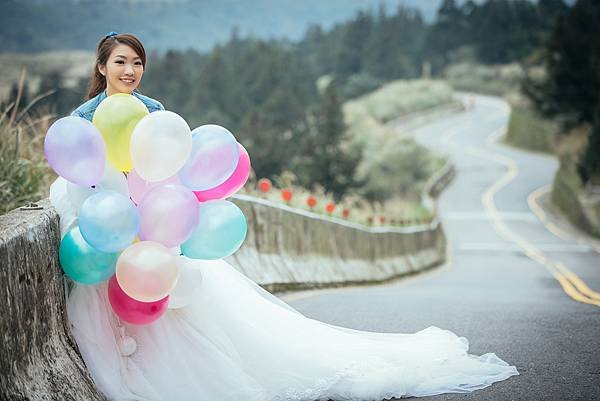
x: 24, y: 173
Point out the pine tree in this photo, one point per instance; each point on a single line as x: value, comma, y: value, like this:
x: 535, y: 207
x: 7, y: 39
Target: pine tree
x: 589, y: 168
x: 327, y: 159
x: 447, y: 34
x: 352, y: 48
x: 573, y: 60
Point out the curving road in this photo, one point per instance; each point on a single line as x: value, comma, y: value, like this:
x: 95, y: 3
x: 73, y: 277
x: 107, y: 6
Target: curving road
x: 516, y: 283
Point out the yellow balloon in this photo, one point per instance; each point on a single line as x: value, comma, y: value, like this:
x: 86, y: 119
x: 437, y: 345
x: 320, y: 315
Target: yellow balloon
x: 115, y: 118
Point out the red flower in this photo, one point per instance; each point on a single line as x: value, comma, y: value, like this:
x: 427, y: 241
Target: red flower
x: 264, y: 184
x: 346, y: 213
x: 311, y: 201
x: 286, y: 194
x: 330, y: 207
x: 382, y: 219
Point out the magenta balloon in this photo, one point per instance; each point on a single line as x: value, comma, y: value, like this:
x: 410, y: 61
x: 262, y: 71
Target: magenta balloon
x: 76, y: 150
x: 131, y: 310
x: 168, y: 215
x: 138, y: 187
x: 233, y: 183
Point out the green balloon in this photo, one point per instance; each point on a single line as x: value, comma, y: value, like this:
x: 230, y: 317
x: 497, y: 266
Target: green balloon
x: 85, y: 264
x: 221, y: 230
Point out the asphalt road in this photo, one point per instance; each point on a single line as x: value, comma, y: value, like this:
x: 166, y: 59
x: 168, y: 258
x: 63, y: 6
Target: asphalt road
x: 515, y: 284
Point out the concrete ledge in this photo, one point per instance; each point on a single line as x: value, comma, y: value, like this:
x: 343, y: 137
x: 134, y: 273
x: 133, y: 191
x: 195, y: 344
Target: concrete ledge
x: 38, y: 358
x: 293, y: 249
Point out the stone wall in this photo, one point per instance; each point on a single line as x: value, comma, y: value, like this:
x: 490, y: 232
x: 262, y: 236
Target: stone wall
x: 292, y: 249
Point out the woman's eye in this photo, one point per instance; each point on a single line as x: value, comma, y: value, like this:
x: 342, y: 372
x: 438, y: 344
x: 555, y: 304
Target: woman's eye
x: 119, y: 61
x: 138, y: 63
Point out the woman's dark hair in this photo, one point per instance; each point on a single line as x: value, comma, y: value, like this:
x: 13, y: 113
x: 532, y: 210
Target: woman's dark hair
x: 105, y: 47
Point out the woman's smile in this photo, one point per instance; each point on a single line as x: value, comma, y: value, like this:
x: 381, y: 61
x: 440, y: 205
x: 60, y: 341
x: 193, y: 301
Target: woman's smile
x: 128, y: 81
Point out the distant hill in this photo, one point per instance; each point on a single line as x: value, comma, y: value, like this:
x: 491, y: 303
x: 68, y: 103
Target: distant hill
x: 42, y: 25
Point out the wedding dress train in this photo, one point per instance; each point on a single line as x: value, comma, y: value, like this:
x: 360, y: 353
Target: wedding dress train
x: 236, y: 341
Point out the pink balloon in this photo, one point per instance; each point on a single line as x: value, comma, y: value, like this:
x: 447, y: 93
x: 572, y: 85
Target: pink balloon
x: 138, y: 187
x: 168, y: 215
x: 232, y: 184
x: 131, y: 310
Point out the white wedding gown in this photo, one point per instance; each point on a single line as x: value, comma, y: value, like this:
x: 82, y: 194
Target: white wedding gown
x: 236, y: 341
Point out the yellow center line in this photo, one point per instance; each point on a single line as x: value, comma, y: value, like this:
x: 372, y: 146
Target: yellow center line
x: 534, y: 205
x: 571, y: 291
x: 572, y: 285
x: 578, y: 283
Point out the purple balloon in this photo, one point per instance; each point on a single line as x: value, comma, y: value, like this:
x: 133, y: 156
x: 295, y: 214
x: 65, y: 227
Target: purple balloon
x: 168, y: 215
x: 75, y: 150
x: 214, y: 157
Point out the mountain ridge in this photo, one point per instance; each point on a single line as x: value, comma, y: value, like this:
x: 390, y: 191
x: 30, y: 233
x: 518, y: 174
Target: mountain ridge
x: 38, y: 25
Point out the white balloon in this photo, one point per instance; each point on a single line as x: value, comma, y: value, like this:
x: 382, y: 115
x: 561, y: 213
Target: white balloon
x: 112, y: 179
x: 188, y: 284
x: 127, y: 346
x: 160, y: 145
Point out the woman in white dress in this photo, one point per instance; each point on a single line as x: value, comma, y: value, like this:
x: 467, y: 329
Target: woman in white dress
x: 236, y: 341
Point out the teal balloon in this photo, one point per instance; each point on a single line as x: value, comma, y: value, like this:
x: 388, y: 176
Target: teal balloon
x: 221, y: 230
x: 82, y: 263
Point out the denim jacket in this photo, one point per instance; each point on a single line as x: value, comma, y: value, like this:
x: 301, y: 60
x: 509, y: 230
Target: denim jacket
x: 87, y: 109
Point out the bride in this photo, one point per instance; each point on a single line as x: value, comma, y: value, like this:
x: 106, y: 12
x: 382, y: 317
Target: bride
x: 236, y: 341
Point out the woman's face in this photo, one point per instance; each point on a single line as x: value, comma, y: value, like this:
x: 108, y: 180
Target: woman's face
x: 123, y: 70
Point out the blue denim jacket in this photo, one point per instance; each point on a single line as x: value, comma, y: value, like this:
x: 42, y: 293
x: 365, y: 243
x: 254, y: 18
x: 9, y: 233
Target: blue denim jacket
x: 87, y: 109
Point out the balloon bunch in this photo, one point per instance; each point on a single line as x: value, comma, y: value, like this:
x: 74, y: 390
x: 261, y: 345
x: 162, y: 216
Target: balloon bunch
x: 146, y: 188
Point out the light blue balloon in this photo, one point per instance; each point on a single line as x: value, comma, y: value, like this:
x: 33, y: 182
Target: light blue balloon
x: 109, y: 221
x: 220, y: 232
x: 82, y: 263
x: 214, y: 157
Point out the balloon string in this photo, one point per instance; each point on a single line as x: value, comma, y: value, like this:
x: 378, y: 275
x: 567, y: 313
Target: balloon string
x: 120, y: 326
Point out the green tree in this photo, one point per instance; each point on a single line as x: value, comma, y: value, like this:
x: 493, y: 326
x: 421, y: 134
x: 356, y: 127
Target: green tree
x: 326, y: 156
x: 589, y: 167
x: 573, y: 63
x: 394, y: 49
x: 505, y: 30
x: 447, y: 33
x: 353, y: 45
x: 572, y: 86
